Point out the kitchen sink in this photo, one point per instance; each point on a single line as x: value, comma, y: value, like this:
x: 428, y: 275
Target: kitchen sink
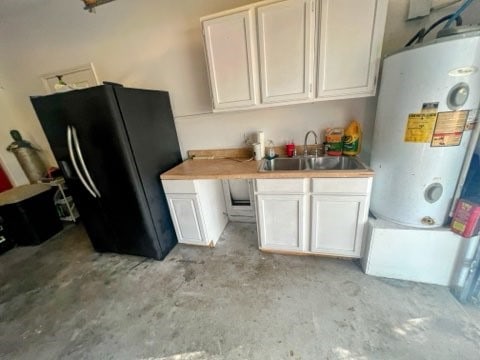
x: 281, y: 164
x: 335, y: 163
x: 312, y: 164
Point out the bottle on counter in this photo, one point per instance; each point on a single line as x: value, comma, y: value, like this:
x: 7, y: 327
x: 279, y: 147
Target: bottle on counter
x: 270, y: 150
x: 352, y: 139
x: 334, y: 141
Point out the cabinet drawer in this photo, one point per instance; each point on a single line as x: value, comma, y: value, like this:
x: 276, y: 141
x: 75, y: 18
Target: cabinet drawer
x: 179, y: 186
x: 342, y: 185
x: 289, y: 186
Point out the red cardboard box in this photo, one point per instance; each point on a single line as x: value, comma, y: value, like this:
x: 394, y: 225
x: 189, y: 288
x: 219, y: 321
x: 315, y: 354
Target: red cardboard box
x: 466, y: 218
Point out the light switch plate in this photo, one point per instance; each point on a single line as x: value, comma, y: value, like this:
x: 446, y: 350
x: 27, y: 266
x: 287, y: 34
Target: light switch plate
x: 419, y: 8
x: 440, y: 4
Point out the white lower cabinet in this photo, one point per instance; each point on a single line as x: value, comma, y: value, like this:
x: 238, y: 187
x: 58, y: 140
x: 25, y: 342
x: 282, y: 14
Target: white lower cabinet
x: 281, y: 221
x: 337, y: 224
x: 330, y: 212
x: 198, y: 210
x: 281, y: 213
x: 185, y: 212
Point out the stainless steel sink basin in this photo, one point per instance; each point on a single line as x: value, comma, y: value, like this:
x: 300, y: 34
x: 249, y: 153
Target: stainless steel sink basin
x: 281, y: 164
x: 312, y: 164
x: 335, y: 163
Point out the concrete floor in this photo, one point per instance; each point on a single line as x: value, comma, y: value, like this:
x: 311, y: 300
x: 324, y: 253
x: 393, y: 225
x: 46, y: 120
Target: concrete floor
x: 63, y: 300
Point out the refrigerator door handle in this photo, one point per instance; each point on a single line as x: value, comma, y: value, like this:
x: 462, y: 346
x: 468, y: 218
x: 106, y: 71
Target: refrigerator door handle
x: 74, y: 161
x: 82, y: 162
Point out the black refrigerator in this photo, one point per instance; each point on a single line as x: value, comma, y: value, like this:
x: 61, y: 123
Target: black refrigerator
x: 112, y: 143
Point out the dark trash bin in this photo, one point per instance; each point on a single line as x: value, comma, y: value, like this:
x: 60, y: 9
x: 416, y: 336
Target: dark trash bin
x: 6, y: 242
x: 29, y: 214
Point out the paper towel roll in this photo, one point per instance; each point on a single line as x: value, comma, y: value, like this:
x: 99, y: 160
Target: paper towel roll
x: 257, y: 151
x: 261, y: 141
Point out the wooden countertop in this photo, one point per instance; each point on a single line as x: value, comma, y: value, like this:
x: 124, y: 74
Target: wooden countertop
x: 244, y: 169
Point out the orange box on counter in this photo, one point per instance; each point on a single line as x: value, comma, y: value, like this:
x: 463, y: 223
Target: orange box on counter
x: 466, y: 218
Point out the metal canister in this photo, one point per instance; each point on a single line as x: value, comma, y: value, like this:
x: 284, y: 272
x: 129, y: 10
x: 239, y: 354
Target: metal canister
x: 27, y: 157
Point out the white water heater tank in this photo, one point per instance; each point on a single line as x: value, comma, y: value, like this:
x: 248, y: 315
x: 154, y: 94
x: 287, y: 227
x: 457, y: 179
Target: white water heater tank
x: 427, y: 106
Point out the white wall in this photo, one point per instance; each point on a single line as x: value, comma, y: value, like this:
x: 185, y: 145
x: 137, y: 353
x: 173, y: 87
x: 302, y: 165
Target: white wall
x: 8, y: 161
x: 155, y: 44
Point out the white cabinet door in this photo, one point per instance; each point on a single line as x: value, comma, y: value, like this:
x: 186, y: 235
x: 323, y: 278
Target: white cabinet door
x: 229, y: 44
x: 281, y: 221
x: 350, y: 43
x: 198, y: 210
x: 337, y: 224
x: 184, y: 209
x: 286, y: 50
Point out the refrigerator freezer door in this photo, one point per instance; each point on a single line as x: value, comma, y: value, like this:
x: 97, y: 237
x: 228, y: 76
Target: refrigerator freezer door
x: 104, y: 143
x: 54, y: 120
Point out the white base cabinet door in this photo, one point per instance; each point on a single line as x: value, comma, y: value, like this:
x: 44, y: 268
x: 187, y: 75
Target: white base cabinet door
x: 337, y: 224
x: 198, y: 210
x: 281, y: 214
x: 185, y: 212
x: 281, y: 222
x: 313, y: 215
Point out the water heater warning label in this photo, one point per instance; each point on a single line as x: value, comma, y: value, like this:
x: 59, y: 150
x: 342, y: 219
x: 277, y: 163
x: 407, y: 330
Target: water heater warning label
x: 420, y: 127
x: 449, y: 128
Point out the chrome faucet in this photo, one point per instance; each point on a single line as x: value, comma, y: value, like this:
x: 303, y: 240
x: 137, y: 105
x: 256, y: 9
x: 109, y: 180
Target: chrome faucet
x: 305, y: 149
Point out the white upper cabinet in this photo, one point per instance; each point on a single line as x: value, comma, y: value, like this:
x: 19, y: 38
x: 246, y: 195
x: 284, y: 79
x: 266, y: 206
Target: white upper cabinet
x: 350, y: 37
x: 278, y: 52
x: 229, y: 45
x: 286, y: 50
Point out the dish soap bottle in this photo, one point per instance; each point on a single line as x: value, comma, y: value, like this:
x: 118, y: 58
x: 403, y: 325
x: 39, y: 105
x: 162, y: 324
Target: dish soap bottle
x: 352, y: 139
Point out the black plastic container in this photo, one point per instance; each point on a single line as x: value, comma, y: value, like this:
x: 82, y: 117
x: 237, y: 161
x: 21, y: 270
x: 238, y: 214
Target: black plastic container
x: 29, y: 214
x: 6, y: 242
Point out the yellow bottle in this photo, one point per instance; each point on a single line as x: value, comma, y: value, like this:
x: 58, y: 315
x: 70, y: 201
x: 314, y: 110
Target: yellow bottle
x: 352, y: 139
